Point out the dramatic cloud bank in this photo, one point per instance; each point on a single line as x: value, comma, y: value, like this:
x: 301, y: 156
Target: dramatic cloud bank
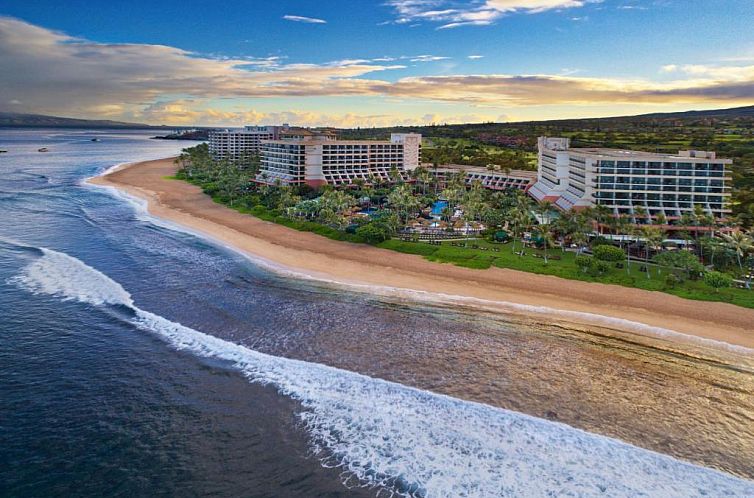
x: 49, y: 72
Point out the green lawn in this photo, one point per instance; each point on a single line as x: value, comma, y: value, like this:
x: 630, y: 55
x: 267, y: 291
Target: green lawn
x: 566, y: 268
x: 468, y: 257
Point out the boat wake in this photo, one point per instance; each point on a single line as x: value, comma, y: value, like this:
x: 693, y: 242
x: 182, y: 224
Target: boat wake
x: 406, y: 441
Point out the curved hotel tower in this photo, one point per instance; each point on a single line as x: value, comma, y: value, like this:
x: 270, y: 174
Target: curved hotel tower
x: 317, y: 157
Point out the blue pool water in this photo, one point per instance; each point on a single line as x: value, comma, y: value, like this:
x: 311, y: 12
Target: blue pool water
x: 438, y: 207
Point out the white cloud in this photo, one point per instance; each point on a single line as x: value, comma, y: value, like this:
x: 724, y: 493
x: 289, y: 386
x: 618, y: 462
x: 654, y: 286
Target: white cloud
x: 181, y: 112
x: 304, y: 19
x: 49, y: 72
x: 482, y: 13
x: 428, y: 58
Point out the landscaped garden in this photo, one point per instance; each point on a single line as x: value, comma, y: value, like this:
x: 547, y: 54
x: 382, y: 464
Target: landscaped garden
x: 700, y: 258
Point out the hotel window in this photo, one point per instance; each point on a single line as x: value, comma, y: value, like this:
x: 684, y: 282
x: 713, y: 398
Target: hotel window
x: 639, y: 168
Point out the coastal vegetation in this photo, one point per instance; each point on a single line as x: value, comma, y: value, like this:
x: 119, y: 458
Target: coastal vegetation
x: 729, y: 132
x: 478, y: 228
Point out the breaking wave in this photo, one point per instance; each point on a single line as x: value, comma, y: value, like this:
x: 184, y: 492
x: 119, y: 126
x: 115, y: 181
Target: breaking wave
x: 406, y: 441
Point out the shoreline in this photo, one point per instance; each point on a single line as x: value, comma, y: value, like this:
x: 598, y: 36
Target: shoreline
x: 307, y: 255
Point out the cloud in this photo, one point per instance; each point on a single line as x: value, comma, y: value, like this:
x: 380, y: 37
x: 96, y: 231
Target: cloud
x: 514, y: 90
x: 57, y: 72
x: 309, y: 20
x: 475, y: 57
x: 182, y: 112
x: 52, y: 73
x: 451, y: 14
x: 427, y: 58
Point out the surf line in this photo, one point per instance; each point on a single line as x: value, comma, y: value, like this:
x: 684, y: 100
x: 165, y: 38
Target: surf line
x: 407, y: 440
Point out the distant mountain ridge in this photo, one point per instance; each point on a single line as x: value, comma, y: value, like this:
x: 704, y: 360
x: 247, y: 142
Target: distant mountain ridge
x: 735, y: 112
x: 11, y: 119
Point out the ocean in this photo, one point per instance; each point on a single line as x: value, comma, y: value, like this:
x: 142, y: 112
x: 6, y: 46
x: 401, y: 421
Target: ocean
x: 137, y: 359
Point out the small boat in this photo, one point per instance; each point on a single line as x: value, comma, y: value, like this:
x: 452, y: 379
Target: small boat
x: 43, y: 149
x: 3, y: 151
x: 95, y: 140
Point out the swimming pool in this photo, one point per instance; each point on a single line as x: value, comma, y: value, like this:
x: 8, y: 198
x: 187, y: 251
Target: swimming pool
x: 438, y: 207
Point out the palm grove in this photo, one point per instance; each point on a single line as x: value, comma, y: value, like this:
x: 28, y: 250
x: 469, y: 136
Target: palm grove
x: 591, y: 244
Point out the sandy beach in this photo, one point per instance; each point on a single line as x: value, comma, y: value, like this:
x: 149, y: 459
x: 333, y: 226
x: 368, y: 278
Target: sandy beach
x: 359, y: 264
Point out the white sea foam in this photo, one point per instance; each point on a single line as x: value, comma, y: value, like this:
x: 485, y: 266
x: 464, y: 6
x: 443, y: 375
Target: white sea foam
x: 84, y: 182
x: 141, y: 208
x: 66, y: 277
x: 410, y: 441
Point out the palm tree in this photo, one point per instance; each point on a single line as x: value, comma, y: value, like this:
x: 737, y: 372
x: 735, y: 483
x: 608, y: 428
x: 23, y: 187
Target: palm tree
x: 685, y: 221
x: 566, y: 225
x: 453, y: 192
x: 424, y: 177
x: 740, y: 243
x: 404, y: 201
x: 473, y: 201
x: 661, y: 219
x: 640, y: 212
x: 520, y: 222
x: 653, y: 238
x: 545, y: 233
x: 601, y: 214
x: 359, y: 184
x: 699, y: 219
x: 624, y: 227
x: 580, y: 238
x: 543, y: 209
x: 446, y: 213
x: 368, y: 193
x: 712, y: 245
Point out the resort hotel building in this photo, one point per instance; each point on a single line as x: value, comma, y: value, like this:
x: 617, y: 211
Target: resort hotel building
x: 234, y: 143
x: 489, y: 179
x: 317, y: 157
x: 625, y: 180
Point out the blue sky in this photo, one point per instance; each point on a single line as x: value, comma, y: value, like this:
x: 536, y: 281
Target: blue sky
x: 364, y: 63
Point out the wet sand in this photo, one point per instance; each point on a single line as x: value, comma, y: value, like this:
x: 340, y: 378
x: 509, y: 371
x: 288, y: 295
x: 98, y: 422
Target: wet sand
x: 568, y: 300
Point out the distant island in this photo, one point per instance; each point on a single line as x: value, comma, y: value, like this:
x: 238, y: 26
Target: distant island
x: 202, y: 134
x: 16, y: 120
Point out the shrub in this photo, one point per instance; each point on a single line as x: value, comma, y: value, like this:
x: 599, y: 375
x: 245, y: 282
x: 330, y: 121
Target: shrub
x: 683, y: 261
x: 583, y: 262
x: 593, y: 266
x: 608, y: 253
x: 374, y: 233
x: 600, y: 267
x: 600, y: 241
x: 718, y: 280
x: 673, y: 279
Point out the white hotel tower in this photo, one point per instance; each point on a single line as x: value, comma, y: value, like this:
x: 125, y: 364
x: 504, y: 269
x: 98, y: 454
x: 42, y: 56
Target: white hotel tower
x: 233, y: 143
x: 623, y: 180
x: 316, y: 158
